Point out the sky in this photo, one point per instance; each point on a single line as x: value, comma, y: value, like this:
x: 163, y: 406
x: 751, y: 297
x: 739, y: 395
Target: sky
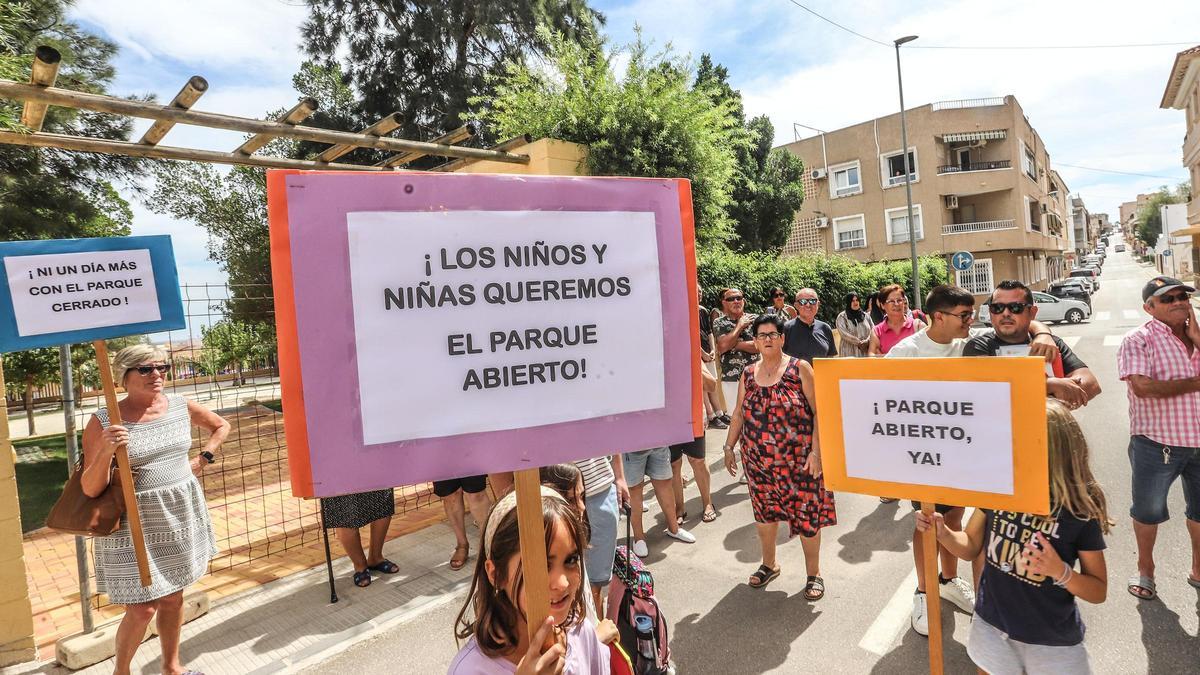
x: 1096, y: 108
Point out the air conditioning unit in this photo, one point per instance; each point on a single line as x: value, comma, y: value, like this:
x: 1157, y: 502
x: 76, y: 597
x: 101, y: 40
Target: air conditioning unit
x: 952, y: 201
x: 822, y: 223
x: 818, y: 174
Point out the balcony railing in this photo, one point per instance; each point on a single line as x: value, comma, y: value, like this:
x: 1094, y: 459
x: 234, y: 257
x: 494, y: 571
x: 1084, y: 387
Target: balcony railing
x: 968, y: 103
x: 975, y: 166
x: 981, y: 226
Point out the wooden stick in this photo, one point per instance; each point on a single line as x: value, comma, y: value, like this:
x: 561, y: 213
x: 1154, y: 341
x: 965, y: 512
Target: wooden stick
x: 383, y: 127
x: 458, y: 135
x: 501, y: 147
x: 119, y: 106
x: 131, y: 508
x: 933, y: 596
x: 43, y: 140
x: 535, y: 579
x: 184, y: 100
x: 43, y: 74
x: 298, y: 113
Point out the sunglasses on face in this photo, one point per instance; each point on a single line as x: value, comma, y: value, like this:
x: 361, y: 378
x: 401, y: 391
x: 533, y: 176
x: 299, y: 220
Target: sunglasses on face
x: 804, y: 302
x: 146, y: 370
x: 998, y: 308
x: 777, y: 295
x: 964, y: 316
x: 773, y: 335
x: 734, y: 298
x: 1172, y: 298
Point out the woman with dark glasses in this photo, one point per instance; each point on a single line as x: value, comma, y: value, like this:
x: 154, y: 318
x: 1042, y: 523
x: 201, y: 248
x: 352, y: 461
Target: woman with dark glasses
x: 778, y: 305
x: 157, y: 430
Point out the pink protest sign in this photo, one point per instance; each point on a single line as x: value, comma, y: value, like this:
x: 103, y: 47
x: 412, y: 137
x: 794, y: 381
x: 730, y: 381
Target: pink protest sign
x: 437, y: 326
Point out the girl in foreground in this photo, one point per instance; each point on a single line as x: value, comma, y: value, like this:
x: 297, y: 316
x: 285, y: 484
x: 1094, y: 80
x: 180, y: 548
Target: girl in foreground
x: 493, y: 618
x: 1026, y: 619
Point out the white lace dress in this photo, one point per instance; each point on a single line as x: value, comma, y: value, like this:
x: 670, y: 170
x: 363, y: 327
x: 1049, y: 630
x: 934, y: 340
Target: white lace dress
x: 175, y: 523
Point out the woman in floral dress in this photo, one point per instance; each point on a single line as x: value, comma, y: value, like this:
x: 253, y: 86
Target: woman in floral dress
x: 774, y: 421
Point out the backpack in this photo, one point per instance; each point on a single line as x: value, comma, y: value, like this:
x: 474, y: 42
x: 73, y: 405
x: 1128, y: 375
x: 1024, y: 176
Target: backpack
x: 631, y: 593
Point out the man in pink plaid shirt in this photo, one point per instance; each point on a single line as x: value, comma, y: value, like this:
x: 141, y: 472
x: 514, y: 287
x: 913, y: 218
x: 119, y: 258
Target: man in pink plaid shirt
x: 1160, y: 363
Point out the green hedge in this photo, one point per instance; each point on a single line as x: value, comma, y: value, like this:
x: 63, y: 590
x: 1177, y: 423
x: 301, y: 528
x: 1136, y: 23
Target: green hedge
x: 833, y: 276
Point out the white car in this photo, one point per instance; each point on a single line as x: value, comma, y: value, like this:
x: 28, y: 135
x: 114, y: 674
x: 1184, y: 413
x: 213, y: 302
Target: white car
x: 1050, y: 309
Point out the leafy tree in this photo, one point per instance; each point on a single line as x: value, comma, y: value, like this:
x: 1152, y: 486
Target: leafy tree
x: 25, y: 371
x: 1148, y: 225
x: 48, y: 193
x: 648, y: 122
x: 238, y: 344
x: 426, y: 58
x: 12, y: 61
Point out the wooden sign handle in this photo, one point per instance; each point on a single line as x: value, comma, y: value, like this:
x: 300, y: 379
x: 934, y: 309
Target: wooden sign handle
x: 933, y: 596
x: 535, y: 578
x: 131, y: 508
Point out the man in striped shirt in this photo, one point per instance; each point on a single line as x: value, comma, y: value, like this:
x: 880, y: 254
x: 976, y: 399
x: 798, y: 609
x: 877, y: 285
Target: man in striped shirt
x: 1160, y: 364
x: 604, y: 490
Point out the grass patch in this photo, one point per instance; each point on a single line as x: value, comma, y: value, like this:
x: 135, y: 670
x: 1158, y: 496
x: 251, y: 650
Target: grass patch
x: 40, y: 483
x: 274, y: 404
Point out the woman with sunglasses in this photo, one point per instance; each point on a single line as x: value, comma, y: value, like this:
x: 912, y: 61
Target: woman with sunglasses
x: 157, y: 431
x: 898, y: 324
x: 778, y: 305
x: 735, y: 342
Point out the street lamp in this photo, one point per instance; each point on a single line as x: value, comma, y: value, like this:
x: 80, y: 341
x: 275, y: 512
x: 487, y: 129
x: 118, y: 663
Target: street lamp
x: 912, y: 234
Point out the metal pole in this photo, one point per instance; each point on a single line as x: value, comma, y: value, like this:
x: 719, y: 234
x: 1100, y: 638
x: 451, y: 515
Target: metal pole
x: 73, y: 458
x: 912, y: 236
x: 328, y: 557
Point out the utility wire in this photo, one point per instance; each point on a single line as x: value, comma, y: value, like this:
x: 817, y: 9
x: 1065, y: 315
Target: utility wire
x: 990, y: 47
x: 1123, y: 173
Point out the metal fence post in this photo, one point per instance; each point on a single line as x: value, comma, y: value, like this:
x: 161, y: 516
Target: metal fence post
x: 74, y: 458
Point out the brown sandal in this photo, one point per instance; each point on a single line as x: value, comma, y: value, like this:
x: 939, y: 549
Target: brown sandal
x: 457, y: 562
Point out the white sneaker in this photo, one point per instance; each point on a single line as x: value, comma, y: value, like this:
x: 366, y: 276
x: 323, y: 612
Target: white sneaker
x: 920, y: 622
x: 640, y: 549
x: 958, y: 591
x: 682, y: 535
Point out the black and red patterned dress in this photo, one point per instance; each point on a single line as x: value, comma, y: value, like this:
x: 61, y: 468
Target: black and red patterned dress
x: 777, y: 429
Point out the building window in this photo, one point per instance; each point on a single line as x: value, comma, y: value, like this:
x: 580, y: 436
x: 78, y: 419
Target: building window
x: 849, y: 232
x: 845, y: 180
x: 897, y: 224
x: 978, y: 279
x: 1033, y: 215
x: 892, y: 167
x: 1028, y: 163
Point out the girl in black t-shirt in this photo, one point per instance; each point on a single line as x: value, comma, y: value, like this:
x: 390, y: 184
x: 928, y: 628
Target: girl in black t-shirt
x: 1026, y: 619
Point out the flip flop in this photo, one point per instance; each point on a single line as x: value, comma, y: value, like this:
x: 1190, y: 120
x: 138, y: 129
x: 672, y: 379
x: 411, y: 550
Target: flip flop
x: 710, y: 514
x: 457, y: 563
x: 763, y: 576
x: 362, y: 579
x: 681, y: 518
x: 384, y: 566
x: 814, y: 590
x: 1139, y: 582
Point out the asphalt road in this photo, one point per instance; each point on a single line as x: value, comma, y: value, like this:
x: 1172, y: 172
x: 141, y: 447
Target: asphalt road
x: 720, y: 625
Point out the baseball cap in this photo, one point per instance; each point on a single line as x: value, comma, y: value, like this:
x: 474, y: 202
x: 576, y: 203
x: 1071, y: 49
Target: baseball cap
x: 1159, y: 285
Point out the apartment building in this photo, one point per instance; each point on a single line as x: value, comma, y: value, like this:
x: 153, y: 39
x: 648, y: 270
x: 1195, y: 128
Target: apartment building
x: 981, y: 182
x: 1079, y: 227
x: 1130, y: 210
x: 1183, y: 93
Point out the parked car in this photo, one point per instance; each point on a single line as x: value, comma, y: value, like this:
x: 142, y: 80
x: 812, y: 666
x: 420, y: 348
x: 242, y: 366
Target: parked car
x: 1120, y: 248
x: 1050, y: 309
x: 1071, y: 289
x: 1090, y: 275
x: 1093, y: 259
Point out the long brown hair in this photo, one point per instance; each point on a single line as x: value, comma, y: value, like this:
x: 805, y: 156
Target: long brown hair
x: 1072, y: 485
x: 490, y: 615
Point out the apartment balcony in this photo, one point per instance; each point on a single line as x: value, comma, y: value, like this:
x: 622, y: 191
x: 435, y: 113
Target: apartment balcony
x: 981, y: 226
x: 975, y: 166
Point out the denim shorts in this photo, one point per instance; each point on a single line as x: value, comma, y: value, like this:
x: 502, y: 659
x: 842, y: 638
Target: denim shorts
x: 654, y: 464
x: 997, y: 654
x: 1155, y: 468
x: 602, y: 518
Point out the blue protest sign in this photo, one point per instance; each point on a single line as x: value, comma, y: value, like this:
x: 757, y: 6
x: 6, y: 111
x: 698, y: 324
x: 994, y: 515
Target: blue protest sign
x: 962, y: 261
x: 61, y: 291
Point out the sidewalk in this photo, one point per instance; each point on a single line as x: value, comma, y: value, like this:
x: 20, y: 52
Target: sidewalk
x: 287, y: 624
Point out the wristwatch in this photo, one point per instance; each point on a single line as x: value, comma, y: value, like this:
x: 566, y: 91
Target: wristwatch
x: 208, y: 456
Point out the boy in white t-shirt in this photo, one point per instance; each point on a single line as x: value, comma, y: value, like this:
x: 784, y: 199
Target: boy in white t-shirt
x: 951, y: 311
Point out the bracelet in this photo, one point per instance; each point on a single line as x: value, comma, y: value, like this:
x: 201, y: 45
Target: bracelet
x: 727, y: 448
x: 1065, y: 577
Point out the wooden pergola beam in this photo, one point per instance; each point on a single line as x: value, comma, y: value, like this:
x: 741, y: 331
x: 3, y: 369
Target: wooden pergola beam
x: 184, y: 100
x: 500, y: 147
x: 468, y: 130
x: 383, y: 127
x: 293, y: 117
x: 44, y: 140
x: 43, y: 74
x: 119, y: 106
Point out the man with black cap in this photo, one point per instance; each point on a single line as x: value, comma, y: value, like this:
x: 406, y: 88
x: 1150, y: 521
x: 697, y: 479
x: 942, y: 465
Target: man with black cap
x: 1160, y: 363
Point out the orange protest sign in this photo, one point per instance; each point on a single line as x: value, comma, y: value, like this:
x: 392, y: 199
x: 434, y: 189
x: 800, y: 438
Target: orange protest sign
x: 958, y: 431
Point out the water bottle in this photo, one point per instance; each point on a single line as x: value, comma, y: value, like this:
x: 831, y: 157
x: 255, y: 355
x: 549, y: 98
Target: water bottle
x: 644, y: 626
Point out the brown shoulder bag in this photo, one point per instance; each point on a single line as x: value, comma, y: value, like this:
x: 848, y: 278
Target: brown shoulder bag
x: 77, y: 513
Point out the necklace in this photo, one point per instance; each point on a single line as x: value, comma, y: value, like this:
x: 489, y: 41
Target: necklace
x: 778, y: 369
